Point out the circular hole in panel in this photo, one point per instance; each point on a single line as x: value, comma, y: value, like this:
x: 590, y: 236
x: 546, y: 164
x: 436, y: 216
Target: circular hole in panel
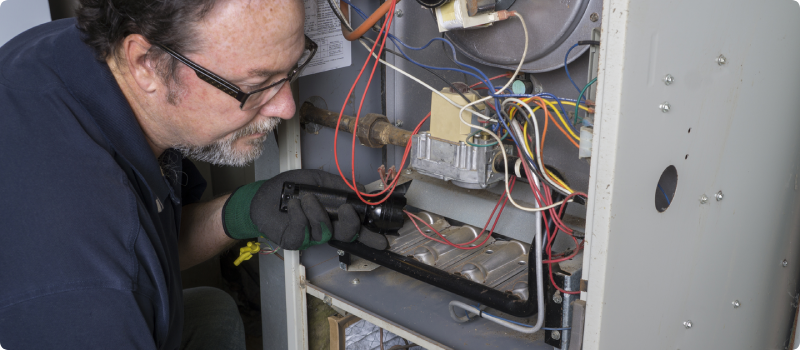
x: 690, y: 130
x: 687, y: 157
x: 665, y: 188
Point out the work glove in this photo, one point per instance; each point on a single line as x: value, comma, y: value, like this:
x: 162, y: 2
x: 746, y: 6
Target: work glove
x: 253, y: 210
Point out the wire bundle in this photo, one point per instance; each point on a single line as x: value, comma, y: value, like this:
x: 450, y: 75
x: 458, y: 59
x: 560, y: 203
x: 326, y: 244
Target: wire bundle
x: 513, y: 117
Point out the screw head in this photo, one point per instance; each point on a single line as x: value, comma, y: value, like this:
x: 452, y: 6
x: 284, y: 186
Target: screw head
x: 784, y: 263
x: 398, y: 123
x: 380, y: 185
x: 327, y: 300
x: 355, y: 281
x: 703, y: 199
x: 721, y: 60
x: 407, y: 171
x: 687, y: 324
x: 718, y: 196
x: 594, y: 17
x: 664, y: 107
x: 556, y: 335
x: 398, y: 13
x: 668, y: 79
x: 557, y: 298
x: 736, y: 304
x: 340, y: 252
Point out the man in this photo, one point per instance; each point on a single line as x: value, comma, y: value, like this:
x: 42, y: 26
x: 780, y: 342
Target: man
x: 99, y: 206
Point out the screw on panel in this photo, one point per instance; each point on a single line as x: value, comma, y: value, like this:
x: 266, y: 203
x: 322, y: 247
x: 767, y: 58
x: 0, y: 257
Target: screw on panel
x: 380, y: 185
x: 398, y: 123
x: 408, y: 171
x: 784, y: 263
x: 398, y: 13
x: 342, y: 266
x: 703, y: 199
x: 664, y: 107
x: 721, y: 60
x: 669, y: 79
x: 557, y: 298
x: 556, y: 335
x: 736, y: 304
x: 327, y: 300
x: 687, y: 324
x: 340, y: 252
x: 594, y: 17
x: 356, y: 281
x: 718, y: 196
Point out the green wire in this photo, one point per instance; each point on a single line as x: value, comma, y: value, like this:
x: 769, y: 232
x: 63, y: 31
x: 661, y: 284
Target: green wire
x: 578, y: 105
x: 486, y: 145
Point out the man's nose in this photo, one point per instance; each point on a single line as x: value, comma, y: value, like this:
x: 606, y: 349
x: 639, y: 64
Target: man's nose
x: 281, y: 105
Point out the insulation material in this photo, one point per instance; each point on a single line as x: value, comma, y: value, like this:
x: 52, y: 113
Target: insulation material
x: 363, y: 335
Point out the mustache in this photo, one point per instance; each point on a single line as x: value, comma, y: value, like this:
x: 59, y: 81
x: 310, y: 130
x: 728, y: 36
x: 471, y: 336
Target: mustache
x: 263, y: 127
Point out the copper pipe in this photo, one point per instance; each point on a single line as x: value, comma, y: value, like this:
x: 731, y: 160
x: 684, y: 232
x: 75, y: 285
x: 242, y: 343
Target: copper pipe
x: 374, y: 130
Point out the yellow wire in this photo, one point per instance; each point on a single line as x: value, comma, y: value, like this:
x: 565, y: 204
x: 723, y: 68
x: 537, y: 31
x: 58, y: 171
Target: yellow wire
x: 573, y: 103
x: 560, y: 117
x: 553, y: 176
x: 564, y: 122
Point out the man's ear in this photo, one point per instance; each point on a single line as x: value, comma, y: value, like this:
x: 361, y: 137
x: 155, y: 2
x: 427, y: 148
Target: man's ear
x: 134, y: 49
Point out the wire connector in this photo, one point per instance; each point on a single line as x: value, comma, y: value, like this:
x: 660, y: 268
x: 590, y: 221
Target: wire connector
x: 589, y: 42
x: 505, y: 14
x: 245, y: 253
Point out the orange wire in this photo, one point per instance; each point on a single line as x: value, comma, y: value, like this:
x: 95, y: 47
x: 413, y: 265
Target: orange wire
x: 368, y: 23
x: 547, y: 114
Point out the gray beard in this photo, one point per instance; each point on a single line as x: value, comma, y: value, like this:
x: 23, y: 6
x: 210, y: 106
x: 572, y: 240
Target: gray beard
x: 222, y: 152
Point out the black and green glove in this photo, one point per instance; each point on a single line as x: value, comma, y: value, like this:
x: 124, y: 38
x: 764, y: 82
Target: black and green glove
x: 253, y: 211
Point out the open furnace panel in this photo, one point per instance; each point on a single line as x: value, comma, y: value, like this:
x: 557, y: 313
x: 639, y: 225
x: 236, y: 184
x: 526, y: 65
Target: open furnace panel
x: 662, y: 253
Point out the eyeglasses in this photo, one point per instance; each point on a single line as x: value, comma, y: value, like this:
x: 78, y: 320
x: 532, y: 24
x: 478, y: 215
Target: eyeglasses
x: 253, y: 99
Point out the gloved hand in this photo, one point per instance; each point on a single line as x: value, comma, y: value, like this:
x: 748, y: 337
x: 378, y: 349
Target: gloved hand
x: 253, y: 210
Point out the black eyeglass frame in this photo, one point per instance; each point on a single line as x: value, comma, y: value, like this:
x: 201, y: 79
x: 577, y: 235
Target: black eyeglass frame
x: 230, y: 88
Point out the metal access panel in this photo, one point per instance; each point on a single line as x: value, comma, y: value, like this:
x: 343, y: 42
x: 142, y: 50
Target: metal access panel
x: 718, y: 268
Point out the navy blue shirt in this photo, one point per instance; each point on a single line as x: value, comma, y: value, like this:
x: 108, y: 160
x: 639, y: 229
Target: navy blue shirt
x: 88, y: 221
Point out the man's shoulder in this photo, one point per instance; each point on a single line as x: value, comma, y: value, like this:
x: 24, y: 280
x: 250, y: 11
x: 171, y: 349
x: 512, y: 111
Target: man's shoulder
x: 29, y: 61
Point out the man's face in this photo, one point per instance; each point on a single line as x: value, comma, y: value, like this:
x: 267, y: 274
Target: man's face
x: 251, y: 44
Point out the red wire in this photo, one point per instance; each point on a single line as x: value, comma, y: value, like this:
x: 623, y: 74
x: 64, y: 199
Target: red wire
x: 390, y: 189
x: 344, y: 105
x: 444, y: 240
x: 384, y: 31
x: 490, y: 79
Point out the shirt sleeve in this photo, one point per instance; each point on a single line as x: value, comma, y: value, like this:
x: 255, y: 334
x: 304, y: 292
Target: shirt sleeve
x: 97, y: 318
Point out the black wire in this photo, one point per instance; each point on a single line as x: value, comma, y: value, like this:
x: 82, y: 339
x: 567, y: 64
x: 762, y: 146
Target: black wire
x: 339, y: 15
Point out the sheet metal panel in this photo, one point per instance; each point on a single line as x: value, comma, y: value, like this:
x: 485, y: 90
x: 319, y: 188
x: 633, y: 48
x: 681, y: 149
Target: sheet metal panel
x: 731, y: 128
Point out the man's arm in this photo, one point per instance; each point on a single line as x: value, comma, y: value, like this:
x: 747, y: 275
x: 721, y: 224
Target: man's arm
x: 202, y: 236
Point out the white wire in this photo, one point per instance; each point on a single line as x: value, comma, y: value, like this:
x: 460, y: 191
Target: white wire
x: 466, y: 108
x: 476, y: 113
x: 375, y: 55
x: 499, y: 141
x: 536, y: 145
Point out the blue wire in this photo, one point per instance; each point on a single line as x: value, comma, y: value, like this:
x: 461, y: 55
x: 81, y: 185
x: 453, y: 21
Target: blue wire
x: 567, y: 69
x: 485, y: 79
x: 395, y: 40
x: 358, y: 10
x: 665, y: 194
